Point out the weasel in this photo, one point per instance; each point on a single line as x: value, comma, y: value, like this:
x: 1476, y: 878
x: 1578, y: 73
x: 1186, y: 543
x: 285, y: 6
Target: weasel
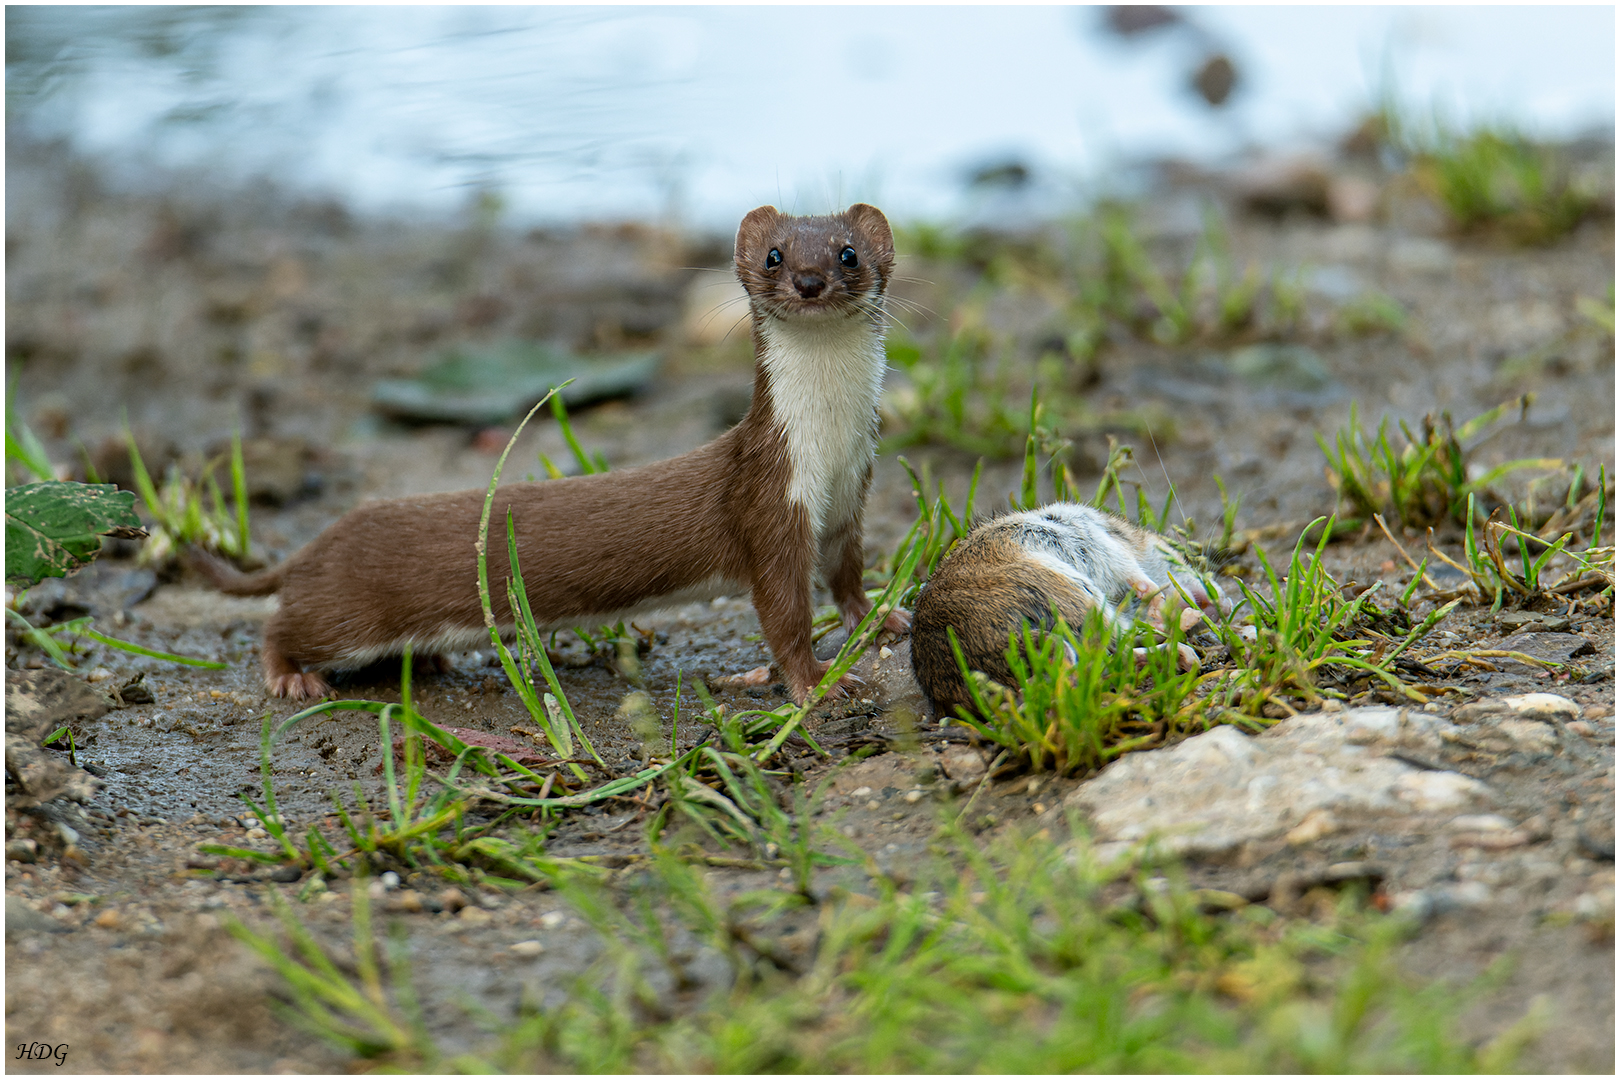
x: 763, y: 508
x: 1014, y: 570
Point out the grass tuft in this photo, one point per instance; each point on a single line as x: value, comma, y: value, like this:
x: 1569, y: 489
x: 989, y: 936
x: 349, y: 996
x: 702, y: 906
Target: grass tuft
x: 186, y: 511
x: 1425, y: 478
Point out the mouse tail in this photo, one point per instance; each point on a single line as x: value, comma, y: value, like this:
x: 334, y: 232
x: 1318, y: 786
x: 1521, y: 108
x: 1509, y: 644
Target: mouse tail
x: 228, y: 579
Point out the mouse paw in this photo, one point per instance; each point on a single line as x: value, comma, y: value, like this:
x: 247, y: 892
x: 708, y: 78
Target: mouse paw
x: 898, y: 622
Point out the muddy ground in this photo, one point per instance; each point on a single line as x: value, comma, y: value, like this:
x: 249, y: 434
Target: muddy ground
x: 195, y: 312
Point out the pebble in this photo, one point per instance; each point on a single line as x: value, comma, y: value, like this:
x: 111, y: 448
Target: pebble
x: 1517, y: 620
x: 860, y: 793
x: 1479, y: 823
x: 1424, y: 904
x: 23, y: 851
x: 473, y: 916
x: 452, y: 899
x: 1317, y: 824
x: 914, y: 796
x: 528, y: 948
x: 552, y: 920
x: 965, y: 764
x: 1420, y: 255
x: 1581, y: 727
x: 1590, y: 907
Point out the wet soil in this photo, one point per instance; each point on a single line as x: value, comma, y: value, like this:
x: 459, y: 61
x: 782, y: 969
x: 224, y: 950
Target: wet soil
x: 194, y: 312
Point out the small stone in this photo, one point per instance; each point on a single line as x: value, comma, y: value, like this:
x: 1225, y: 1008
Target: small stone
x: 1531, y: 620
x: 389, y: 880
x: 409, y: 901
x: 1479, y: 823
x: 885, y: 652
x: 1581, y: 727
x: 873, y: 804
x: 860, y: 793
x: 914, y: 796
x: 527, y: 948
x: 1466, y: 894
x: 1543, y: 706
x: 965, y: 764
x: 23, y: 851
x: 1352, y: 199
x: 552, y: 920
x: 1420, y: 255
x: 111, y: 919
x: 452, y: 899
x: 1317, y: 824
x: 1597, y: 712
x: 473, y: 916
x: 1590, y: 907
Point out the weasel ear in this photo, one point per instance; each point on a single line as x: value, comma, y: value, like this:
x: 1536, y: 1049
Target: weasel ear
x: 870, y: 220
x: 754, y: 226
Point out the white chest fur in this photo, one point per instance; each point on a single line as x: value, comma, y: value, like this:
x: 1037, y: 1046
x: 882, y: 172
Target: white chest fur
x: 826, y: 375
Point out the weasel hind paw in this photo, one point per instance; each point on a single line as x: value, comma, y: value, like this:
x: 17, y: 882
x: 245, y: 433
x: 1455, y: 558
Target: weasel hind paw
x: 760, y: 676
x: 299, y: 686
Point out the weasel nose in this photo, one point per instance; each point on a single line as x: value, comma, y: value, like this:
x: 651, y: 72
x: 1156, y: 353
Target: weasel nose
x: 809, y: 285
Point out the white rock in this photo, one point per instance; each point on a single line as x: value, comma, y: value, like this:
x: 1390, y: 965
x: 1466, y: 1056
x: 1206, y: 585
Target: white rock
x: 1543, y: 706
x: 1222, y: 789
x: 1439, y: 790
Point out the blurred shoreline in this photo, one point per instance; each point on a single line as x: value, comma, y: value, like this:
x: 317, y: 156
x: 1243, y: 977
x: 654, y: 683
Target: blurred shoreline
x: 579, y: 114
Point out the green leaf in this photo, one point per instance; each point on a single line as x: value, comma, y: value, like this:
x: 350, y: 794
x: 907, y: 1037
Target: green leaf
x: 55, y: 528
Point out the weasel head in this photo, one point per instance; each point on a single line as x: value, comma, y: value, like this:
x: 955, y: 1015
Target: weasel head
x: 816, y: 267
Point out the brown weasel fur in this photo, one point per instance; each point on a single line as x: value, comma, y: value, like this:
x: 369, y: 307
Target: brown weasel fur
x: 763, y: 507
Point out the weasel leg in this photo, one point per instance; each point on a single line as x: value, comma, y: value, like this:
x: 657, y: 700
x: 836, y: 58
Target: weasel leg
x: 898, y: 621
x: 283, y: 678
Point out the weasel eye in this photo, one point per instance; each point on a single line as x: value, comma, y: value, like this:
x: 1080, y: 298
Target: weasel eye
x: 847, y: 257
x: 773, y: 260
